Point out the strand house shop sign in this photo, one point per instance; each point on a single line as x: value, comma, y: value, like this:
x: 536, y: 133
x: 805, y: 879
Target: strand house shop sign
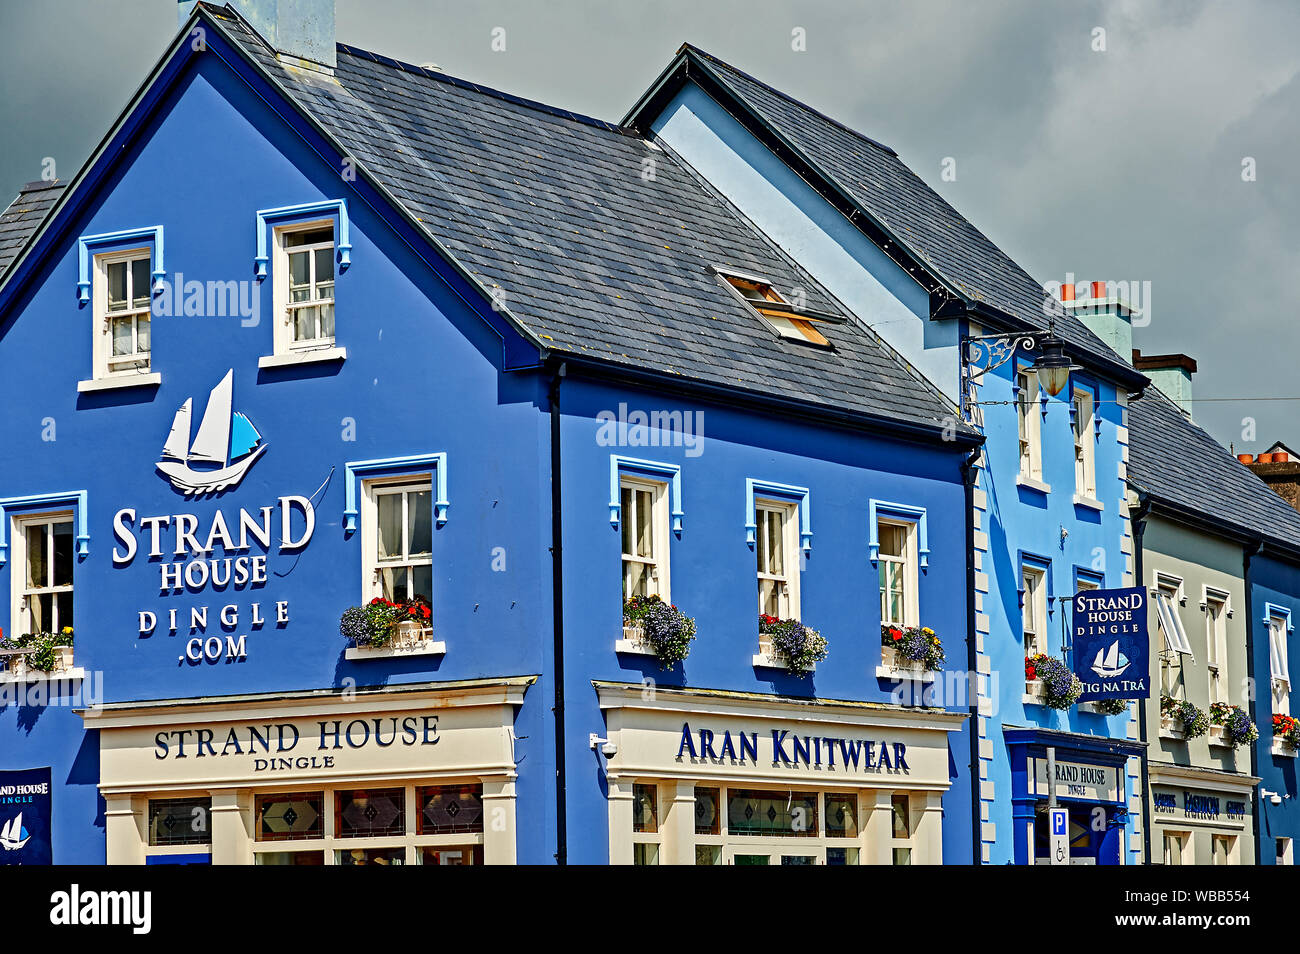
x: 1110, y: 643
x: 200, y: 557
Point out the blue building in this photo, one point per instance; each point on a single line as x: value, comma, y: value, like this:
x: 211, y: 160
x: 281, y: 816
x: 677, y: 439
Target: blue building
x: 323, y: 345
x: 1049, y: 512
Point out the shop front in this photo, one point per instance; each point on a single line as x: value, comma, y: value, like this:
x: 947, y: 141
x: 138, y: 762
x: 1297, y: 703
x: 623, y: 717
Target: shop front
x: 1087, y: 776
x: 1201, y: 816
x: 418, y: 774
x: 715, y: 777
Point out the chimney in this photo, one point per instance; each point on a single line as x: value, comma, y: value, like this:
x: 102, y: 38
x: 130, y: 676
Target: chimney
x: 1171, y: 373
x: 301, y: 31
x: 1280, y: 469
x: 1099, y: 307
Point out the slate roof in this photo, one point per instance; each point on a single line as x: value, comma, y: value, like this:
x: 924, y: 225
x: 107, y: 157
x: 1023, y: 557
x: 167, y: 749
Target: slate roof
x: 553, y: 209
x: 23, y: 217
x: 1178, y: 463
x: 880, y: 184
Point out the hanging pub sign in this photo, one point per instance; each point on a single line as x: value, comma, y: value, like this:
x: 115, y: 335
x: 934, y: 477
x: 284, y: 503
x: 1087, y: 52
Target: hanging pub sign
x: 25, y: 818
x: 1111, y: 652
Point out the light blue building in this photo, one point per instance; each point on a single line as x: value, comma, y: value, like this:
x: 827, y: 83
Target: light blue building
x: 1048, y: 514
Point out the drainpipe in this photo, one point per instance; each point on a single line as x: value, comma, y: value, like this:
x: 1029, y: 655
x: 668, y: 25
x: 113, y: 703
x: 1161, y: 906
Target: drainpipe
x: 1248, y: 554
x: 557, y: 623
x: 1137, y: 525
x: 968, y: 472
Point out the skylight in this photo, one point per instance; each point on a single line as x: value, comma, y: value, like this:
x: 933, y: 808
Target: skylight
x: 776, y: 311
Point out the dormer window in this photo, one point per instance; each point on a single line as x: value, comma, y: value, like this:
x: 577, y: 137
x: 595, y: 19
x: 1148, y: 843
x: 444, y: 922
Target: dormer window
x: 779, y: 314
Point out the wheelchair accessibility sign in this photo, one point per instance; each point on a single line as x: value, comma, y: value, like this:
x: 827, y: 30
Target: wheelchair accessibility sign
x: 1058, y: 842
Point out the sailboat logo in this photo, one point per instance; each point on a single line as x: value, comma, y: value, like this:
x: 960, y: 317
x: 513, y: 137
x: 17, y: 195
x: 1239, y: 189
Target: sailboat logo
x: 13, y: 835
x: 1110, y: 662
x: 228, y: 440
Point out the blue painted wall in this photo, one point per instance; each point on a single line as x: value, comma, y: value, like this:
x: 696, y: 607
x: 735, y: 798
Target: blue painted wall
x: 713, y: 573
x: 423, y: 374
x: 897, y: 308
x: 1273, y: 581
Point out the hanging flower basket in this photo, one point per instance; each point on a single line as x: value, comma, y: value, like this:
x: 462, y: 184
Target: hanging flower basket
x: 1111, y: 706
x: 800, y: 647
x: 916, y: 645
x: 1060, y: 687
x: 1238, y: 730
x: 1195, y: 722
x: 659, y: 626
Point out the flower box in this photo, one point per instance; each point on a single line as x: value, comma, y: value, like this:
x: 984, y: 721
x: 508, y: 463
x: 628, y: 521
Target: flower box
x: 19, y: 665
x: 1217, y: 736
x: 409, y: 640
x: 386, y: 629
x: 1282, y: 747
x: 1035, y: 692
x: 1233, y: 724
x: 788, y: 644
x: 653, y: 627
x: 1171, y: 728
x: 634, y: 642
x: 1060, y: 688
x: 1286, y: 735
x: 894, y: 665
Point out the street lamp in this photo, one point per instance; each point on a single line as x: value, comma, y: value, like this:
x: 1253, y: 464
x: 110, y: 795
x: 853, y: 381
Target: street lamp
x: 992, y: 351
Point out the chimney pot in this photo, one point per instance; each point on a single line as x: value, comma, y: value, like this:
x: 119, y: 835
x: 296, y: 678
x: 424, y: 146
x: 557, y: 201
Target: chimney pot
x: 1098, y: 289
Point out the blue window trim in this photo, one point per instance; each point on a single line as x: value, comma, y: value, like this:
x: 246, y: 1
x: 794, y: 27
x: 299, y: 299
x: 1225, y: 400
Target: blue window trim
x: 77, y: 497
x: 1026, y: 558
x: 335, y: 207
x: 798, y: 495
x: 1092, y: 576
x: 672, y: 473
x: 366, y: 468
x: 85, y: 243
x: 1273, y: 611
x: 905, y: 514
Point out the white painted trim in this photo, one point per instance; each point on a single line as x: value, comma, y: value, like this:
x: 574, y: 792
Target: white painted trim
x: 1033, y: 484
x: 311, y: 356
x: 76, y: 672
x: 771, y: 661
x: 430, y: 647
x: 1089, y: 502
x: 125, y: 380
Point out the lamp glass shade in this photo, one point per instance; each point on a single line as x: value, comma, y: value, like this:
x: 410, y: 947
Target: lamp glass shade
x: 1054, y: 378
x: 1053, y: 366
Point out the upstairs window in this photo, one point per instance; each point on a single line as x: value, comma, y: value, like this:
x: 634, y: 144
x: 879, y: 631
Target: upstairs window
x: 644, y: 523
x: 1279, y: 667
x: 42, y: 574
x: 1168, y: 597
x: 897, y: 567
x: 1085, y: 467
x: 398, y: 540
x: 123, y: 299
x: 777, y: 312
x: 777, y: 546
x: 1216, y: 642
x: 305, y: 288
x: 1029, y: 426
x: 1034, y: 611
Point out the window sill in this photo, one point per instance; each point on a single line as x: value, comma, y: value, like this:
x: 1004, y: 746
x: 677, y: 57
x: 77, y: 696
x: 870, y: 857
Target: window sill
x: 1089, y: 502
x: 1093, y: 708
x: 120, y: 381
x: 425, y: 647
x: 1034, y: 692
x: 768, y: 661
x: 1280, y: 748
x: 633, y: 643
x: 1218, y: 736
x: 894, y: 668
x: 1033, y: 484
x: 1167, y: 731
x: 295, y: 358
x: 37, y: 675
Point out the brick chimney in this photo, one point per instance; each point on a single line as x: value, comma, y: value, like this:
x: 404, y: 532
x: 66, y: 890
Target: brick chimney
x: 1171, y: 373
x: 299, y: 30
x: 1278, y: 467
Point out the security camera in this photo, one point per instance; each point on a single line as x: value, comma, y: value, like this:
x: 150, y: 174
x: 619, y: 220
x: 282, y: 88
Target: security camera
x: 607, y: 748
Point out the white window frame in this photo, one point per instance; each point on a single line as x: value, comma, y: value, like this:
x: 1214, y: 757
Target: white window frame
x: 1029, y: 425
x: 910, y: 567
x: 1169, y: 597
x: 792, y: 555
x: 1085, y: 447
x: 1216, y: 644
x: 102, y: 333
x: 1279, y: 664
x: 371, y: 565
x: 1185, y: 853
x: 19, y: 619
x: 1034, y: 581
x: 284, y: 342
x: 660, y: 583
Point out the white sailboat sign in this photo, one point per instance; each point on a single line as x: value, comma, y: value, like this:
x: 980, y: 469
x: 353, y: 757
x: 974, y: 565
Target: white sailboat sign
x: 213, y: 444
x: 1110, y: 662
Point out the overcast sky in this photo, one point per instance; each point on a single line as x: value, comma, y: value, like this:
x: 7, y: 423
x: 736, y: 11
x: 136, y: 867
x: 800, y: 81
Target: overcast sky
x: 1122, y: 163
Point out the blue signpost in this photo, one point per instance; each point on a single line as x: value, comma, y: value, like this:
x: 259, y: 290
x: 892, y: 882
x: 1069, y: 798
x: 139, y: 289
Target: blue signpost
x: 1110, y: 648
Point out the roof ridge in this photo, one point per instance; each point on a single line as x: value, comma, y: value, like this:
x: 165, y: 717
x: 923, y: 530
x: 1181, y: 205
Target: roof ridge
x: 790, y: 99
x: 470, y: 85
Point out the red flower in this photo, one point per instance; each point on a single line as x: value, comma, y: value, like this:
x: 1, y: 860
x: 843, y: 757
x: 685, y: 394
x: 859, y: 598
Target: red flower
x: 896, y: 634
x: 1029, y: 672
